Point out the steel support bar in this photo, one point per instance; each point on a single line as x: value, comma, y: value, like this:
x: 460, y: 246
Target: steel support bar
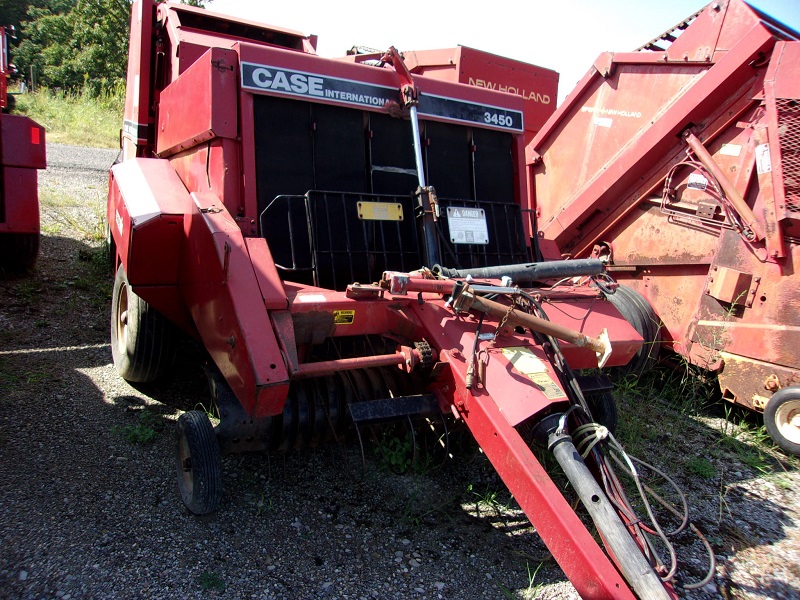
x: 515, y: 317
x: 582, y: 560
x: 704, y: 156
x: 329, y: 367
x: 463, y: 299
x: 417, y: 146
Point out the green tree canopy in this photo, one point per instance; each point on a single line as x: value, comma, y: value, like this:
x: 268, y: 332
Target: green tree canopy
x: 73, y: 44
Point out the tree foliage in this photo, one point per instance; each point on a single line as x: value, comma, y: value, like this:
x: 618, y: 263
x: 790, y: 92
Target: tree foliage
x: 75, y: 44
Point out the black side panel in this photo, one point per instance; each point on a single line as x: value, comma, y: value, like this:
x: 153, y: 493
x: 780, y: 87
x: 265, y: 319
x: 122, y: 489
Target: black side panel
x: 447, y: 158
x: 284, y: 224
x: 391, y: 151
x: 339, y: 149
x: 284, y: 148
x: 494, y: 166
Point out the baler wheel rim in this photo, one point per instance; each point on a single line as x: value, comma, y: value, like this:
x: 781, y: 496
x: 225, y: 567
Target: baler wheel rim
x: 198, y: 462
x: 782, y: 419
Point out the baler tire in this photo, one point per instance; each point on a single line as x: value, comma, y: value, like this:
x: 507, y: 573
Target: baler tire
x: 638, y: 312
x: 143, y: 342
x: 111, y: 248
x: 199, y: 463
x: 782, y: 419
x: 18, y: 252
x: 604, y: 409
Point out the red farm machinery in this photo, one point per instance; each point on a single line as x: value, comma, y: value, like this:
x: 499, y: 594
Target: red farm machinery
x: 22, y: 152
x: 678, y: 165
x: 280, y: 208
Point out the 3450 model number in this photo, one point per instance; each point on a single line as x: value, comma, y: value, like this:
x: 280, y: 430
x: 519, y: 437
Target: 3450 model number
x: 498, y: 119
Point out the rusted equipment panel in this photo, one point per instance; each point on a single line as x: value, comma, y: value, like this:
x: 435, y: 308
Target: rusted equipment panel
x: 678, y: 165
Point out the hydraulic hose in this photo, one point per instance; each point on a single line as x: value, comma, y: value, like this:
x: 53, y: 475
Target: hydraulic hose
x: 525, y: 272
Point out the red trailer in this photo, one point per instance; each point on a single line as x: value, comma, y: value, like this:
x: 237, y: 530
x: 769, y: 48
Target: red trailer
x: 22, y: 152
x: 677, y: 165
x: 276, y: 206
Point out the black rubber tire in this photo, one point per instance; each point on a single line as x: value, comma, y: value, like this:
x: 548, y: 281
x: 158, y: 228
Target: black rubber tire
x: 111, y: 248
x: 18, y: 252
x: 638, y: 312
x: 198, y: 462
x: 604, y: 409
x: 780, y: 418
x: 143, y: 342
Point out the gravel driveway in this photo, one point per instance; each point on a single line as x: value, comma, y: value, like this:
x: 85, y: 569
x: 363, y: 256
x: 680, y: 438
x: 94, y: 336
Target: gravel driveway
x: 89, y: 508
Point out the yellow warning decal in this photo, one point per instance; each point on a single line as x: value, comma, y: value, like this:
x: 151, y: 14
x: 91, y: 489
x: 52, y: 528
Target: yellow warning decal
x: 545, y: 383
x: 527, y: 363
x: 380, y: 211
x: 344, y: 317
x: 524, y: 361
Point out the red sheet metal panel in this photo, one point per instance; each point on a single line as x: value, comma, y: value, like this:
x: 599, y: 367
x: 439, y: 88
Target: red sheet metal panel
x: 23, y: 143
x: 138, y: 122
x: 20, y: 201
x: 221, y: 291
x: 147, y: 203
x: 537, y: 86
x: 209, y: 86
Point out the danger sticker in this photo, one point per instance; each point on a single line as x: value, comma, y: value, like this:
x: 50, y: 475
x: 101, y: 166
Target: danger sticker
x: 344, y: 317
x: 547, y: 386
x: 467, y: 225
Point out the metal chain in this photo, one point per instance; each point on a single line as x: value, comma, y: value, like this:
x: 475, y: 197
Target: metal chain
x: 502, y: 322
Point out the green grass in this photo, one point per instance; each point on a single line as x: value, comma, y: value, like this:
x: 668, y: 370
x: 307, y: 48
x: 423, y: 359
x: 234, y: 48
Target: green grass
x: 701, y: 467
x: 76, y: 118
x: 211, y: 580
x: 144, y: 431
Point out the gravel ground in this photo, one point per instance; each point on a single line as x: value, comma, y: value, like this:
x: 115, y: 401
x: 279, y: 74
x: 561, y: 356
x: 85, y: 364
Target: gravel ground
x: 88, y: 512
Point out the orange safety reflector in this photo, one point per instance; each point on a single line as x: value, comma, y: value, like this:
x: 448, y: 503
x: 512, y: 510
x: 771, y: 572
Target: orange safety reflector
x: 35, y: 136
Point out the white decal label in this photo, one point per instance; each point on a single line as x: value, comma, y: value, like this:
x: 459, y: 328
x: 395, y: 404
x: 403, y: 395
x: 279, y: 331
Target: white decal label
x: 467, y: 225
x: 697, y: 181
x: 763, y: 162
x: 603, y: 121
x: 731, y: 149
x: 310, y: 298
x: 118, y: 221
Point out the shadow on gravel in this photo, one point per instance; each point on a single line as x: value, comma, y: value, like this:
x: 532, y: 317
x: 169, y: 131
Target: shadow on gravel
x: 89, y: 505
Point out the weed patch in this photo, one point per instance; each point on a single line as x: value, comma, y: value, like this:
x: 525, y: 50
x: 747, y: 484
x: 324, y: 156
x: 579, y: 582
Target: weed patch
x: 701, y: 467
x: 144, y: 431
x: 80, y: 119
x: 211, y: 580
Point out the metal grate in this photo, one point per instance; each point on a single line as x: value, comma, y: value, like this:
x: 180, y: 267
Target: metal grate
x: 789, y: 136
x: 319, y: 239
x: 506, y: 237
